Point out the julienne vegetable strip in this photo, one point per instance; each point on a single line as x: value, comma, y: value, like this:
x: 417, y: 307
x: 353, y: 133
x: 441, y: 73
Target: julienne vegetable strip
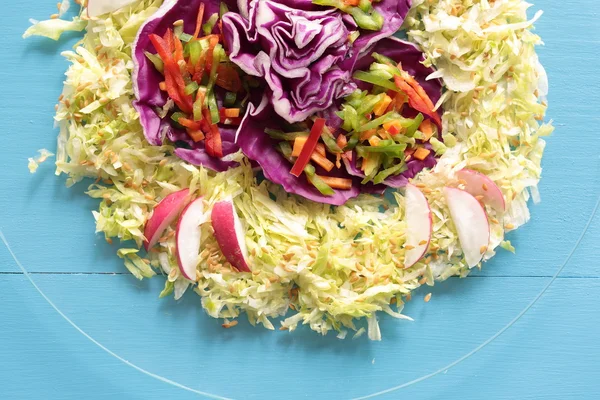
x: 365, y: 16
x: 357, y: 271
x: 309, y: 147
x: 383, y: 140
x: 192, y: 70
x: 199, y: 21
x: 417, y: 99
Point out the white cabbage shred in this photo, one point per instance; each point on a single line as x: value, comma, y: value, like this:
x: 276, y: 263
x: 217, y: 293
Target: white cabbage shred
x: 330, y: 268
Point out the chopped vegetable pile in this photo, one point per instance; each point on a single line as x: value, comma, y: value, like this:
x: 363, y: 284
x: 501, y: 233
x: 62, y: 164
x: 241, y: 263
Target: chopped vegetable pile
x: 170, y: 110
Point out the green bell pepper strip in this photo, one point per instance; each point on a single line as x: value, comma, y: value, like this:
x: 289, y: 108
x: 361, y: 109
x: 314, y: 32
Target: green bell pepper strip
x: 412, y: 128
x: 213, y: 107
x: 195, y: 49
x: 176, y: 115
x: 372, y: 21
x: 353, y: 141
x: 230, y: 98
x: 394, y: 150
x: 317, y: 182
x: 353, y: 36
x: 369, y: 104
x: 355, y: 98
x: 156, y: 61
x: 178, y: 30
x: 329, y: 141
x: 384, y: 60
x: 395, y: 170
x: 350, y: 118
x: 281, y: 135
x: 191, y: 88
x: 208, y: 27
x: 371, y: 166
x: 223, y: 9
x: 377, y: 122
x: 213, y: 68
x: 365, y: 5
x: 184, y: 37
x: 286, y: 150
x: 375, y: 80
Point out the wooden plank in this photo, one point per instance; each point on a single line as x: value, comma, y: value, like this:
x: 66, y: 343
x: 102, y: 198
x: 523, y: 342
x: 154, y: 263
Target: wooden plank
x: 547, y: 354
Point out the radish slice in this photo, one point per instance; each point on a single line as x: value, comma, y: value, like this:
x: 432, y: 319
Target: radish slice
x: 418, y: 225
x: 163, y: 215
x: 471, y: 224
x: 230, y: 234
x: 188, y: 237
x: 479, y: 184
x: 96, y: 8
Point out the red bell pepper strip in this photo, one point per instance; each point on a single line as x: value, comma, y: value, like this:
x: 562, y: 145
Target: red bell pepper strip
x: 172, y: 89
x: 309, y: 147
x: 188, y: 123
x: 199, y: 69
x: 185, y: 101
x: 234, y: 121
x: 417, y: 98
x: 191, y: 68
x: 168, y: 38
x: 212, y: 42
x: 178, y: 50
x: 199, y: 19
x: 173, y: 79
x: 228, y: 78
x: 220, y: 25
x: 212, y: 142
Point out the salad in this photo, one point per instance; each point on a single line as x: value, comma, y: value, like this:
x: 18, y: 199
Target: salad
x: 295, y: 162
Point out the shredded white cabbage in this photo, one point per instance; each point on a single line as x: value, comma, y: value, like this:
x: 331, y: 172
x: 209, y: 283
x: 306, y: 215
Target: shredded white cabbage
x: 319, y: 266
x: 54, y: 28
x: 34, y: 163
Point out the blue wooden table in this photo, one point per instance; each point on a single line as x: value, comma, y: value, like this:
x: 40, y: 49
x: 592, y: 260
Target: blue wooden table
x: 472, y: 341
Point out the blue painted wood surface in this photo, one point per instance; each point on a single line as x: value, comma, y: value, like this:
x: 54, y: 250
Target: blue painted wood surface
x: 552, y: 352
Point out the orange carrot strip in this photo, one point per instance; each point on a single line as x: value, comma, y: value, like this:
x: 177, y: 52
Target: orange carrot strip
x: 195, y: 135
x: 188, y: 123
x: 232, y: 112
x: 341, y: 141
x: 299, y: 143
x: 322, y: 161
x: 337, y: 183
x: 367, y: 134
x: 427, y: 129
x: 199, y: 19
x: 380, y: 107
x: 374, y: 141
x: 320, y: 149
x: 421, y: 153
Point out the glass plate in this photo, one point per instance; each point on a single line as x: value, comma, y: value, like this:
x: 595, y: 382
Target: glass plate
x: 50, y: 230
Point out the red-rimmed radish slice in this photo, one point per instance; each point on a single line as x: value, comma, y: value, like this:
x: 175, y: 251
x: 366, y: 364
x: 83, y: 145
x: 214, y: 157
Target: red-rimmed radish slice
x: 188, y: 237
x: 479, y: 184
x: 164, y: 214
x: 471, y: 224
x: 230, y: 234
x: 96, y: 8
x: 418, y: 225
